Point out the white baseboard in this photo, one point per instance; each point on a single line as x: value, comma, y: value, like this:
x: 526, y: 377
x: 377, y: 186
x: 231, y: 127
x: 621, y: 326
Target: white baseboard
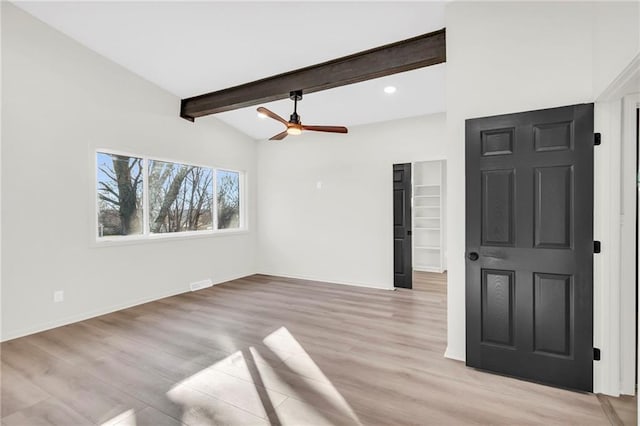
x: 199, y: 285
x: 14, y: 334
x: 309, y: 278
x: 425, y: 269
x: 450, y: 355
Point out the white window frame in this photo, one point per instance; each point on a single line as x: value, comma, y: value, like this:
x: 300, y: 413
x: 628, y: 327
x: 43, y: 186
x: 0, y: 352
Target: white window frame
x: 147, y: 235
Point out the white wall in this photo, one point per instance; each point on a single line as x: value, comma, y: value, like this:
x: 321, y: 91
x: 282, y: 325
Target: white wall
x: 616, y: 40
x: 509, y: 57
x: 60, y: 101
x: 502, y: 58
x: 342, y: 232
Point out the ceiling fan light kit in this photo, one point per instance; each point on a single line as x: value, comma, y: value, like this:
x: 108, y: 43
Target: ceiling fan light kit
x: 294, y: 125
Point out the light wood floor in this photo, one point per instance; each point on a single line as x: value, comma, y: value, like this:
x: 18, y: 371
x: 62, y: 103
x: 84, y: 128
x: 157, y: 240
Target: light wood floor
x: 268, y: 350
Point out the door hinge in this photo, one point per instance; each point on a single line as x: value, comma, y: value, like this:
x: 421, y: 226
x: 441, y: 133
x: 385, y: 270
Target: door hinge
x: 597, y: 138
x: 596, y: 246
x: 596, y: 354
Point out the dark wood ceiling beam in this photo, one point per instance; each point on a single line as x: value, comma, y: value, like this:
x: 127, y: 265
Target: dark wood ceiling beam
x: 417, y: 52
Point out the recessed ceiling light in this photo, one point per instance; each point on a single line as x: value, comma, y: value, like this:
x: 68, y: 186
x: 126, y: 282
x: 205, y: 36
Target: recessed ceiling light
x: 390, y: 89
x: 261, y: 115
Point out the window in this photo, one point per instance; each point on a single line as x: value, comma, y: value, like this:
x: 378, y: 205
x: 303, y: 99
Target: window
x: 119, y: 195
x: 139, y: 197
x: 228, y: 188
x: 180, y: 197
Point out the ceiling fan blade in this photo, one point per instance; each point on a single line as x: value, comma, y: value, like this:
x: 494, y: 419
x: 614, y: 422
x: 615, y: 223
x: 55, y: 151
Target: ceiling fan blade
x: 330, y: 129
x: 263, y: 110
x: 279, y: 136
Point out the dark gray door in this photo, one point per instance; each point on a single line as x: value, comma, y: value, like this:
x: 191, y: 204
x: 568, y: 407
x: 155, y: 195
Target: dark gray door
x: 529, y: 226
x: 402, y: 267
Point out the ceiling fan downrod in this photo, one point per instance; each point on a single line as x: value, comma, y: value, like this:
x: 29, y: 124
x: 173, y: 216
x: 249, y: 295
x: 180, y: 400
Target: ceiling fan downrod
x: 295, y: 96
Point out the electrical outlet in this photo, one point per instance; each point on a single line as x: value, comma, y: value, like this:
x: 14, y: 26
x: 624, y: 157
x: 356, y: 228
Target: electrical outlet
x: 58, y: 296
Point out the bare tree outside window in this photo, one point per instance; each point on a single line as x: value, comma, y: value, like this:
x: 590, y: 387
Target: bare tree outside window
x: 228, y: 198
x: 180, y: 197
x: 119, y: 195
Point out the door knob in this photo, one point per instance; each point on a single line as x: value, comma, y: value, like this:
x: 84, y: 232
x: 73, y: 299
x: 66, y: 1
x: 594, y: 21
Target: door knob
x: 473, y: 256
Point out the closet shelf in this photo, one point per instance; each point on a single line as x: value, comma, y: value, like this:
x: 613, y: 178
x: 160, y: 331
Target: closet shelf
x: 428, y: 205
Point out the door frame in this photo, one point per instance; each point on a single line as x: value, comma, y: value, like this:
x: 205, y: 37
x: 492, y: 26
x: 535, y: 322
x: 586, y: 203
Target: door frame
x: 443, y: 224
x: 614, y: 373
x: 628, y: 255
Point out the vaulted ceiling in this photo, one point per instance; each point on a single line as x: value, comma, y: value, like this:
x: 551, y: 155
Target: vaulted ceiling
x: 190, y: 48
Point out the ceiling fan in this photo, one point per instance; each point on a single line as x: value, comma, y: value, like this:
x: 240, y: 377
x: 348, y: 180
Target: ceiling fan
x: 294, y: 125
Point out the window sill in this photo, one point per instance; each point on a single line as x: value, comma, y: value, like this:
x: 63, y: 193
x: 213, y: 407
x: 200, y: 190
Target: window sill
x: 174, y: 236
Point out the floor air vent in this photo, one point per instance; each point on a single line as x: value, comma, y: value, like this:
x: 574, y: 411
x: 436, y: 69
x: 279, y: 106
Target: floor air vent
x: 199, y: 285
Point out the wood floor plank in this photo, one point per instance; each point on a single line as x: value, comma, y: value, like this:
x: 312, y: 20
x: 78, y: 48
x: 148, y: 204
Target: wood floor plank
x: 620, y: 411
x: 86, y: 395
x: 17, y: 391
x: 49, y: 412
x: 69, y: 384
x: 268, y: 350
x: 295, y: 413
x: 148, y: 416
x: 129, y: 379
x: 73, y: 343
x: 626, y: 409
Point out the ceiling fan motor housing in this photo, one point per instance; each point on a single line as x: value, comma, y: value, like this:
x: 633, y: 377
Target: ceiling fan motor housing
x: 295, y: 118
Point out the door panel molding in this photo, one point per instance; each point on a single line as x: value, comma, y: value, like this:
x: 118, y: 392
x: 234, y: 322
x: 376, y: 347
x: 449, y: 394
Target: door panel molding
x: 498, y: 210
x: 497, y: 142
x: 553, y: 195
x: 553, y: 307
x: 553, y: 136
x: 498, y: 288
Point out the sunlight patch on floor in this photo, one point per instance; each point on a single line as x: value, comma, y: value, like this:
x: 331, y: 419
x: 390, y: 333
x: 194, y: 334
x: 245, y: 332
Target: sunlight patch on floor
x: 126, y: 418
x: 228, y: 388
x: 316, y: 388
x: 259, y: 382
